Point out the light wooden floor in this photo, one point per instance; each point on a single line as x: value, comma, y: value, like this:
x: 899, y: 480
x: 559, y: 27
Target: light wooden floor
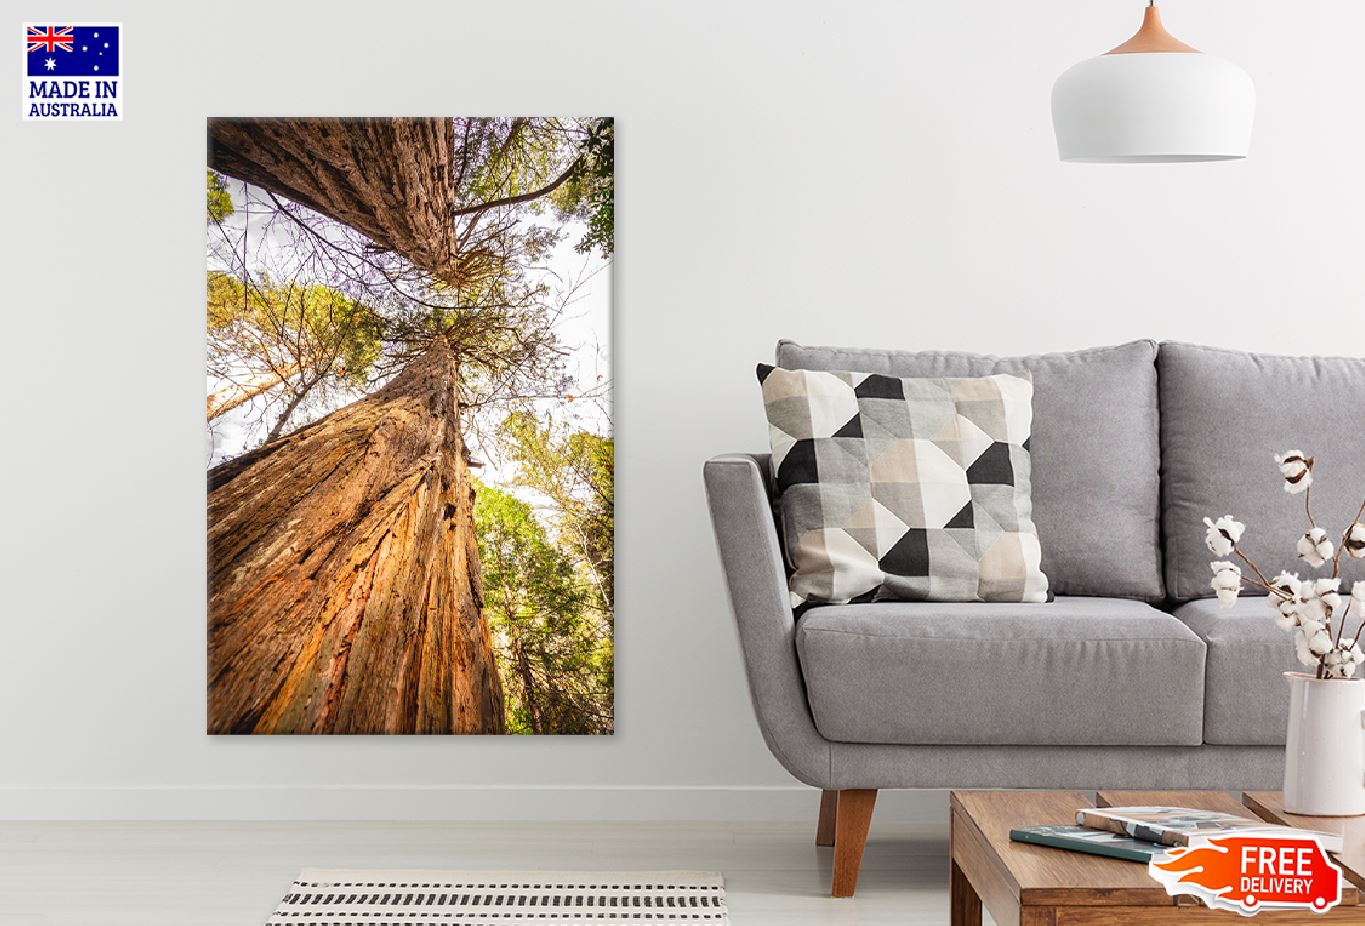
x: 188, y: 874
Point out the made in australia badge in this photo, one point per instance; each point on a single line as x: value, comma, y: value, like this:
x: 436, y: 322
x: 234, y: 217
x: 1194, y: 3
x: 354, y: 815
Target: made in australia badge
x: 73, y: 73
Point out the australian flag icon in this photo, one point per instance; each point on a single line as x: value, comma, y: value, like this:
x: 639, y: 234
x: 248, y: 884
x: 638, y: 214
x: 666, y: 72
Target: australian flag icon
x: 72, y: 51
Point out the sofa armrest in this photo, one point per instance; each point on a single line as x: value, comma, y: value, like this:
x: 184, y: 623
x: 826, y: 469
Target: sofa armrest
x: 751, y: 556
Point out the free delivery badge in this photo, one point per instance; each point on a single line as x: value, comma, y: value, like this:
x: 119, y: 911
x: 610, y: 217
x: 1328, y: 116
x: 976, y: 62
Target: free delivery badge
x: 1250, y: 873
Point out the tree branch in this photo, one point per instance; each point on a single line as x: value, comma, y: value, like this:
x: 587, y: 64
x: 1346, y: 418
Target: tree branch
x: 553, y: 185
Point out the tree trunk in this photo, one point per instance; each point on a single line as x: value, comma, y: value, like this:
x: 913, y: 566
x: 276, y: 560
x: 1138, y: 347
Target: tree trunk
x: 344, y: 585
x: 528, y: 682
x: 389, y: 179
x: 222, y: 401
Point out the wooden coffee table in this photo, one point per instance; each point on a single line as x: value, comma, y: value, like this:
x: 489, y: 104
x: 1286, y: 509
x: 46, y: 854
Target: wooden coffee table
x: 1028, y: 885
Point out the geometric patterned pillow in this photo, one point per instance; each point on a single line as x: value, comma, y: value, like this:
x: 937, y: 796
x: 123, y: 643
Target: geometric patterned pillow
x: 904, y: 489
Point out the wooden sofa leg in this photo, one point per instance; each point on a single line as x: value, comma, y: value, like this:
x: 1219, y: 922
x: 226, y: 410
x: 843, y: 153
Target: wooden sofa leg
x: 824, y: 830
x: 852, y: 819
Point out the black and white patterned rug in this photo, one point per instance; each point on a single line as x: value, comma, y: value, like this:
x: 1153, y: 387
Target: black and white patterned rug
x: 324, y: 897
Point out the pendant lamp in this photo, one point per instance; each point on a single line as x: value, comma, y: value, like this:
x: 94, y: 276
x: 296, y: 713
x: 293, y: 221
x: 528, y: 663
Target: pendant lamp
x: 1153, y: 100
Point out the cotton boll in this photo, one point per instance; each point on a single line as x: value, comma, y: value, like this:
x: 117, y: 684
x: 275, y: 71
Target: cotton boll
x: 1315, y: 637
x: 1358, y: 593
x: 1301, y: 650
x: 1313, y: 610
x: 1286, y: 602
x: 1320, y: 642
x: 1297, y: 470
x: 1343, y: 661
x: 1354, y: 543
x: 1288, y: 583
x: 1222, y: 535
x: 1227, y: 582
x: 1353, y: 657
x: 1310, y: 607
x: 1315, y: 548
x: 1287, y: 607
x: 1329, y: 591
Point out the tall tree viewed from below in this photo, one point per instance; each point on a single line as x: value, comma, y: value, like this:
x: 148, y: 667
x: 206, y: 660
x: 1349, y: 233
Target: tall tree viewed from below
x: 409, y: 425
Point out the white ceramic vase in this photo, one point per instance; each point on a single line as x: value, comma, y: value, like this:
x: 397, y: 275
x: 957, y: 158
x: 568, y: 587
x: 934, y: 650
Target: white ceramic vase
x: 1324, y: 763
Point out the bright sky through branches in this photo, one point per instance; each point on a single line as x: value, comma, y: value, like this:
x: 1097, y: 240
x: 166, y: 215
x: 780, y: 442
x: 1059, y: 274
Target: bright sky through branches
x: 584, y: 329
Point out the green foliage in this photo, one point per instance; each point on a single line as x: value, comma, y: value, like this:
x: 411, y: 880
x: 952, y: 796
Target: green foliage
x: 220, y: 201
x: 501, y: 158
x: 554, y: 652
x: 312, y: 326
x: 575, y: 470
x: 590, y: 194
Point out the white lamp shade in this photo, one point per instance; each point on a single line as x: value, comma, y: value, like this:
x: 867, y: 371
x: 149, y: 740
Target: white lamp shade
x: 1155, y: 107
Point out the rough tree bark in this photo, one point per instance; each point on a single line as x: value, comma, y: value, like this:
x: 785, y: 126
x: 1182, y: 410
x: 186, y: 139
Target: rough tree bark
x: 389, y: 179
x: 344, y: 583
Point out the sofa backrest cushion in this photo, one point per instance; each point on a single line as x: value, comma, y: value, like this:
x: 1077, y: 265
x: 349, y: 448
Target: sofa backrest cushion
x: 1094, y: 453
x: 1224, y: 416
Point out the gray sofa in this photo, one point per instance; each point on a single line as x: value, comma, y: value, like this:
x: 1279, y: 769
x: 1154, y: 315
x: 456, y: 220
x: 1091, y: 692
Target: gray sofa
x: 1132, y: 677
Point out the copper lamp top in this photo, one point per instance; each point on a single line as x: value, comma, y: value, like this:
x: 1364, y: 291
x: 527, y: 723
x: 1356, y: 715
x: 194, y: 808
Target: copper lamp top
x: 1152, y: 37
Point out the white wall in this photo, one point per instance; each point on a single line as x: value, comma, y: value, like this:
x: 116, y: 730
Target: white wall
x: 855, y: 173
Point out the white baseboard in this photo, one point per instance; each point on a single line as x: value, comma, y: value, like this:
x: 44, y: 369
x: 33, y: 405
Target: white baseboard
x: 787, y: 803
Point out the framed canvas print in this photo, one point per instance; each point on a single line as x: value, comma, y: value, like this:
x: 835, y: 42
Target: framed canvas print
x: 410, y: 458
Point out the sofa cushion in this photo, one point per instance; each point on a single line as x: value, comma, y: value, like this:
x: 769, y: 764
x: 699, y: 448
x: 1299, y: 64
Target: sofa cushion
x: 1224, y: 414
x: 1246, y: 697
x: 1072, y: 672
x: 1094, y: 453
x: 903, y: 489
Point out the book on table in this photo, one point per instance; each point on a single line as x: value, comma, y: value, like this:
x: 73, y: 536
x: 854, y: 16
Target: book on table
x: 1093, y: 842
x: 1176, y: 826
